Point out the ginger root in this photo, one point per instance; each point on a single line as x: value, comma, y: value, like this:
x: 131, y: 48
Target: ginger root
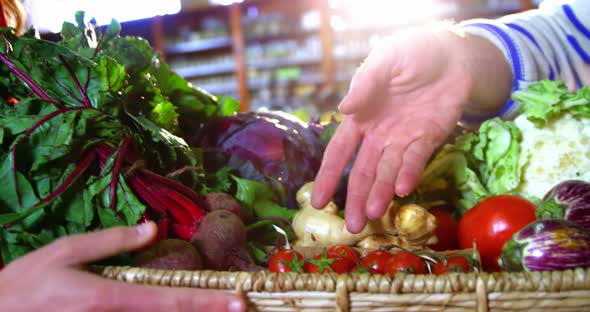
x: 323, y: 227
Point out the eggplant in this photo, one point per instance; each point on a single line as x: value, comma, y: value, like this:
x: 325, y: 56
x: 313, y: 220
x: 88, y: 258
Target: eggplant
x: 544, y: 245
x: 568, y: 200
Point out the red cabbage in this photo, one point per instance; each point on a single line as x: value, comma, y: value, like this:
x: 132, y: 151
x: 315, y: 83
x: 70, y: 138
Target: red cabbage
x: 264, y: 146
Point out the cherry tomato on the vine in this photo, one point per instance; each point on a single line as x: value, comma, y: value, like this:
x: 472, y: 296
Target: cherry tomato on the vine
x: 375, y: 261
x: 405, y: 262
x: 343, y: 251
x: 284, y: 261
x: 452, y: 264
x: 491, y: 223
x: 326, y: 264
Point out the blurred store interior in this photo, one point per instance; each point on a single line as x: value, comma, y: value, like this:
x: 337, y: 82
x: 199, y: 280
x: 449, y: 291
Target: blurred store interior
x: 296, y: 56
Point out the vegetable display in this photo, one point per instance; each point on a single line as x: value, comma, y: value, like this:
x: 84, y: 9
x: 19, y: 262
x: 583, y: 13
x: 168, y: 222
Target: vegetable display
x: 96, y: 131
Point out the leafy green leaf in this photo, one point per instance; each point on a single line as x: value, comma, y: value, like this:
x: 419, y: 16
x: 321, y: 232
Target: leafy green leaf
x: 260, y: 200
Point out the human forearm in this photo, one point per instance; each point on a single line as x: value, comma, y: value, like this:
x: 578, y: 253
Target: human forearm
x: 490, y: 74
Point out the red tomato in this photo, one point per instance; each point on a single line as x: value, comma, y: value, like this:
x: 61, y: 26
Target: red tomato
x: 491, y: 223
x: 342, y: 251
x: 453, y: 264
x: 283, y: 261
x: 375, y: 261
x: 446, y: 230
x: 406, y: 262
x: 327, y: 264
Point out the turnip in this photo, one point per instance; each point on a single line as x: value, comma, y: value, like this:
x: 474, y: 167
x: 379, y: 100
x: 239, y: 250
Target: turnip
x: 221, y: 239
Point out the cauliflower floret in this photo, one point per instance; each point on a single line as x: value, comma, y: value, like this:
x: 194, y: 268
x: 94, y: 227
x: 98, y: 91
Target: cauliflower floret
x: 556, y: 152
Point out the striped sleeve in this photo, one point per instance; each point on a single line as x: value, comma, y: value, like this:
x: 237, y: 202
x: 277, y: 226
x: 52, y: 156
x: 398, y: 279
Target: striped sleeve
x: 550, y: 42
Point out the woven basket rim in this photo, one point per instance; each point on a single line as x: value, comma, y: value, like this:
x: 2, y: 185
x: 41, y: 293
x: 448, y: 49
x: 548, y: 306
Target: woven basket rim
x: 264, y: 281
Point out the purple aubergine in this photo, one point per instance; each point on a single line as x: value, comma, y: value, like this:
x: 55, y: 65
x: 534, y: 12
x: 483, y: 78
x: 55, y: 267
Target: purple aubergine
x: 546, y: 245
x: 568, y: 200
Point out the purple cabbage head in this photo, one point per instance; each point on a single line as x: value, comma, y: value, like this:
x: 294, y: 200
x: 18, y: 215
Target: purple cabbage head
x: 265, y: 145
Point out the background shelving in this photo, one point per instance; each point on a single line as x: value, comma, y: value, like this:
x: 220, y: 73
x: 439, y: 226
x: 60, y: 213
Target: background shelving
x: 290, y: 55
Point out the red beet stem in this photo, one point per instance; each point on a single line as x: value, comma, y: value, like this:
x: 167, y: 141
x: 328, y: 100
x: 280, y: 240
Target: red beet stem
x: 38, y: 124
x: 117, y: 170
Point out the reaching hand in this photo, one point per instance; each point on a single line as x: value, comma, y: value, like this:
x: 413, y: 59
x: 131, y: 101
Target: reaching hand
x: 51, y: 278
x: 403, y: 102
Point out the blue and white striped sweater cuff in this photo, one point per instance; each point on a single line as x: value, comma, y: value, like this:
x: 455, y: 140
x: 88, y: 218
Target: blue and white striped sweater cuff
x: 498, y: 35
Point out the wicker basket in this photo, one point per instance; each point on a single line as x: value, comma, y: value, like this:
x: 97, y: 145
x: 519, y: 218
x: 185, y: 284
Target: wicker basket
x: 264, y: 291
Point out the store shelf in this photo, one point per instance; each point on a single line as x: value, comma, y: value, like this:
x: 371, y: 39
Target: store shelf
x: 282, y: 36
x: 205, y: 70
x: 198, y: 45
x: 201, y: 45
x: 272, y: 64
x: 254, y: 47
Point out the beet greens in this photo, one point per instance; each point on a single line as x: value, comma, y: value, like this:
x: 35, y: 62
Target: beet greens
x: 95, y: 131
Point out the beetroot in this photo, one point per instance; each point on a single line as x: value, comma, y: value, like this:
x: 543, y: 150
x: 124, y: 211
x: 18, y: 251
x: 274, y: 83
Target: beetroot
x: 170, y: 254
x: 222, y: 201
x: 221, y: 239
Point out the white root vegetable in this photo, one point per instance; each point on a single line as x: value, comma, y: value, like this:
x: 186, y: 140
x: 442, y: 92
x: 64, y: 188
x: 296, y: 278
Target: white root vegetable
x: 323, y: 227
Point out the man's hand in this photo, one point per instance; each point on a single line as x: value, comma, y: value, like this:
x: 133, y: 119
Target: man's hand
x: 403, y: 102
x: 50, y: 279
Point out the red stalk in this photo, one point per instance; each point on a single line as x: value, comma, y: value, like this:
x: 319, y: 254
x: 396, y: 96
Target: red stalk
x: 191, y: 207
x: 28, y: 80
x: 85, y: 100
x: 117, y: 170
x: 145, y: 193
x: 26, y: 134
x: 180, y: 188
x: 163, y: 195
x: 88, y: 159
x: 178, y: 213
x: 183, y: 231
x: 163, y: 228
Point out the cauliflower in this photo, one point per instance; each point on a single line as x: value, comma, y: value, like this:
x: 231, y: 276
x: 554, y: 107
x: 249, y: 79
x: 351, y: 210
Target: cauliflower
x: 553, y: 153
x: 546, y: 144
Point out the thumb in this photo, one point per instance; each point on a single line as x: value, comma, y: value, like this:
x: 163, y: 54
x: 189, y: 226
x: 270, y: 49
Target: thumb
x: 88, y: 247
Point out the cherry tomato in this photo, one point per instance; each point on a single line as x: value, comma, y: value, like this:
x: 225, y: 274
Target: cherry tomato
x: 283, y: 261
x: 453, y: 264
x: 446, y: 230
x: 326, y: 264
x: 406, y: 262
x: 375, y: 261
x: 491, y: 223
x: 342, y: 251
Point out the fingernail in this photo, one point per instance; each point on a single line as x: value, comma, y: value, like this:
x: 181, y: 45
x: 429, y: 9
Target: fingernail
x: 143, y: 230
x: 236, y: 306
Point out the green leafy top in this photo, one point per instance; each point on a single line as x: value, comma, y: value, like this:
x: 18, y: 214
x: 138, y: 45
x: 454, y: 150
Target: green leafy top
x: 90, y: 88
